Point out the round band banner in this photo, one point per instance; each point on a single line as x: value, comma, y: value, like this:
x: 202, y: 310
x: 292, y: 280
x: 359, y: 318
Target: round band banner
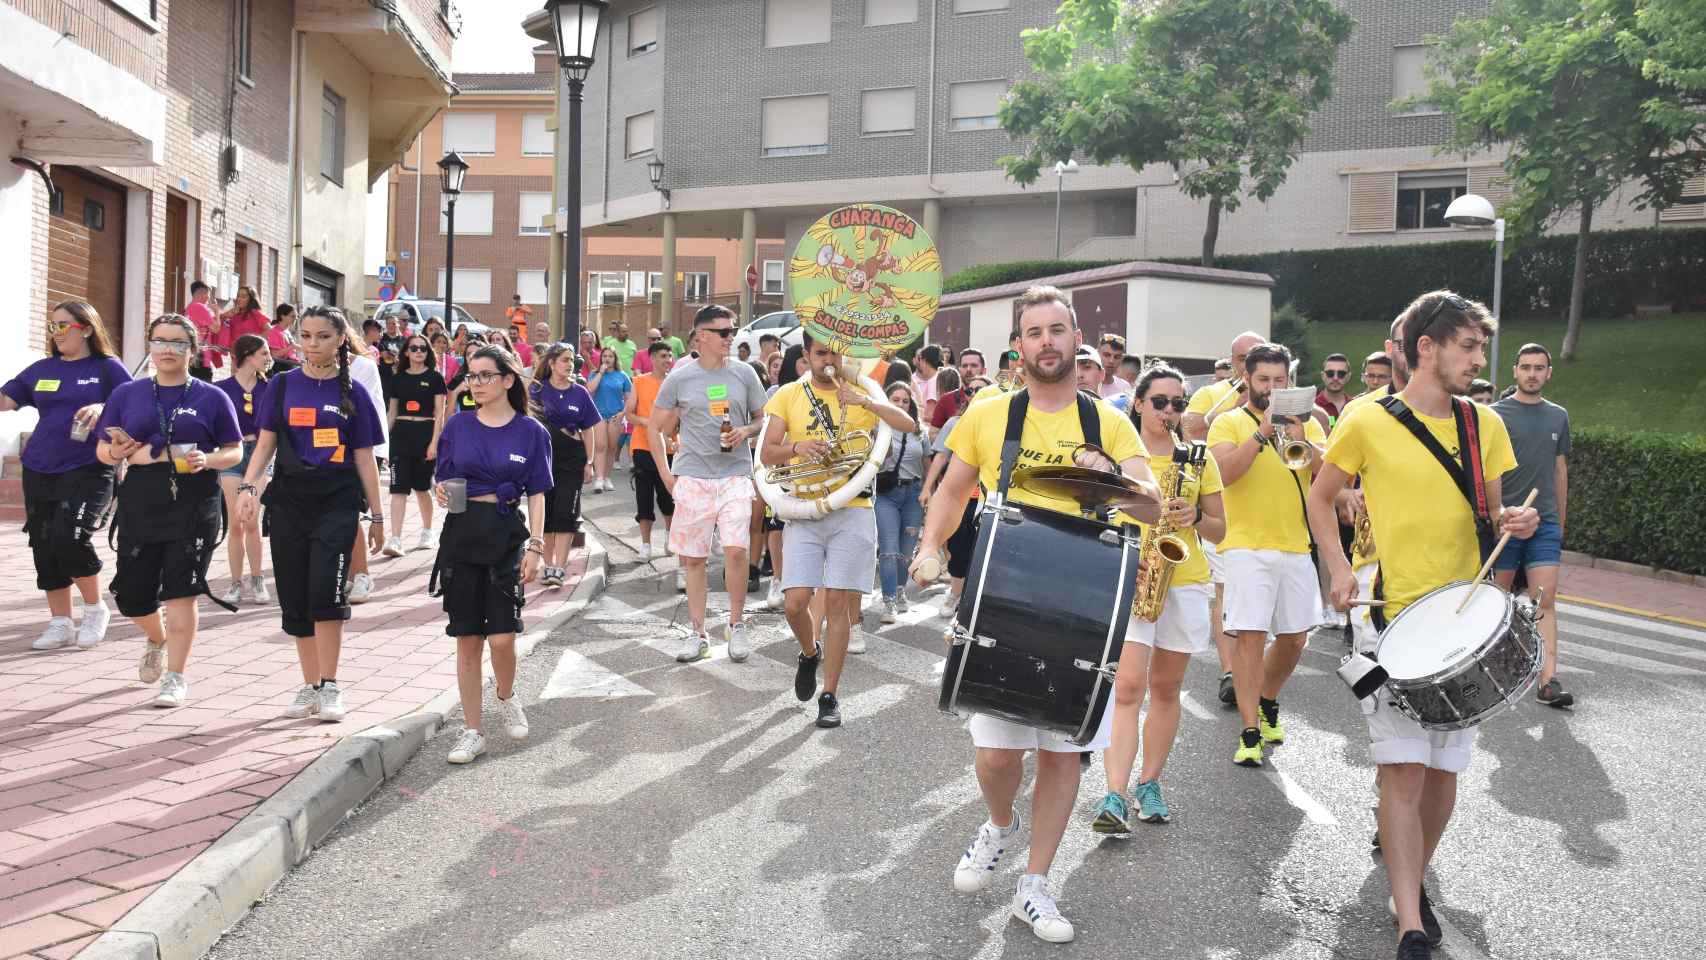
x: 866, y: 280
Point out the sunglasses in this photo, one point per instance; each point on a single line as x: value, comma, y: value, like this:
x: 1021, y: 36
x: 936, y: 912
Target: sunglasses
x: 170, y: 346
x: 724, y: 332
x: 1162, y: 403
x: 1335, y: 374
x: 60, y: 326
x: 417, y: 348
x: 1451, y: 300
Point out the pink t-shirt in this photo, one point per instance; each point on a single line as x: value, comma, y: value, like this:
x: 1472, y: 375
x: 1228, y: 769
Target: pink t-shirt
x: 642, y: 362
x: 251, y: 321
x: 524, y: 352
x: 207, y: 329
x: 923, y: 389
x: 278, y: 341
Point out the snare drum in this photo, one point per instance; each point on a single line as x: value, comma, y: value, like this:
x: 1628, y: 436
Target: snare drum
x: 1041, y: 622
x: 1449, y: 671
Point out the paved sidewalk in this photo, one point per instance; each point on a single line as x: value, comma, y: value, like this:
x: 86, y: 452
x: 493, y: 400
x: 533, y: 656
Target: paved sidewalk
x: 104, y: 797
x: 1633, y: 593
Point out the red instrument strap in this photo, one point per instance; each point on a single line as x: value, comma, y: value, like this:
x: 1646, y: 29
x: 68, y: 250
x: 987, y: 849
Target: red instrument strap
x: 1472, y: 457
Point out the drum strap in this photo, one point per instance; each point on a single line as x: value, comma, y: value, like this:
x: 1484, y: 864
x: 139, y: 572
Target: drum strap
x: 1088, y: 423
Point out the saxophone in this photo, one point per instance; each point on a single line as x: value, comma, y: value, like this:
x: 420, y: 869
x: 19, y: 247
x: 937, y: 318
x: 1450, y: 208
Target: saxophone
x: 1363, y: 545
x: 1162, y: 550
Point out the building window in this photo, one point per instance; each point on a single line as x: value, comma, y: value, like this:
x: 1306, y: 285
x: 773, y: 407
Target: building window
x: 94, y: 215
x: 1423, y: 199
x: 140, y: 9
x: 981, y: 6
x: 696, y: 288
x: 532, y: 287
x: 607, y: 287
x: 654, y: 287
x: 973, y: 106
x: 883, y: 12
x: 473, y: 284
x: 245, y: 32
x: 534, y: 209
x: 536, y: 139
x: 332, y: 136
x: 319, y: 285
x: 642, y: 128
x: 774, y: 274
x: 643, y: 32
x: 796, y: 126
x: 473, y: 213
x: 890, y: 111
x: 471, y: 134
x: 789, y: 23
x: 1408, y: 78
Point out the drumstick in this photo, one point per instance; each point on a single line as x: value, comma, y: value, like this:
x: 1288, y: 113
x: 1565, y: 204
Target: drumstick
x: 1497, y: 549
x: 1368, y: 603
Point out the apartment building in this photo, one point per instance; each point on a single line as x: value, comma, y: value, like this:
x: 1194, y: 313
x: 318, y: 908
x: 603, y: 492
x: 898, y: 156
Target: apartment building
x: 767, y: 113
x: 157, y: 142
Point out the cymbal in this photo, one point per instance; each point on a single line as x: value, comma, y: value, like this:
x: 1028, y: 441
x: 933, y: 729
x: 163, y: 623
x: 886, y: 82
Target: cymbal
x: 1088, y: 488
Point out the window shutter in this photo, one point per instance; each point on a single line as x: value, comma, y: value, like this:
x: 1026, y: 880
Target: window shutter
x: 1687, y: 211
x: 879, y: 12
x: 979, y: 6
x: 536, y: 139
x: 796, y: 122
x: 640, y: 133
x: 889, y: 111
x: 1491, y: 182
x: 643, y: 31
x: 1373, y: 203
x: 471, y: 133
x: 791, y: 22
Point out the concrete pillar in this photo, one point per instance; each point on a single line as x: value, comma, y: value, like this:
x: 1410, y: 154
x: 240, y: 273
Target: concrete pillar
x: 671, y: 290
x: 748, y: 255
x: 554, y: 279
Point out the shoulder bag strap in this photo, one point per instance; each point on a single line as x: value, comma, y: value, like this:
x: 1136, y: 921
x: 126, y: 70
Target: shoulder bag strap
x: 1089, y: 422
x: 288, y: 461
x: 1017, y: 407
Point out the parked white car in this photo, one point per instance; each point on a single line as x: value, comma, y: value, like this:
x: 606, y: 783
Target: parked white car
x: 782, y: 323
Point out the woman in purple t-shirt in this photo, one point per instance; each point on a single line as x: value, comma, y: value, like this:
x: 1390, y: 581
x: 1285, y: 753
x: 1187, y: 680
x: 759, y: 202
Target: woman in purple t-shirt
x: 568, y: 412
x: 323, y: 429
x: 65, y: 488
x: 486, y: 553
x: 177, y: 433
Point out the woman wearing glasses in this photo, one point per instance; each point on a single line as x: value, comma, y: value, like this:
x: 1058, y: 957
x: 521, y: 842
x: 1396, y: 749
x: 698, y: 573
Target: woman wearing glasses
x: 568, y: 412
x: 65, y: 486
x: 176, y: 433
x: 323, y: 429
x: 416, y: 412
x: 250, y: 359
x: 488, y: 551
x: 1156, y: 654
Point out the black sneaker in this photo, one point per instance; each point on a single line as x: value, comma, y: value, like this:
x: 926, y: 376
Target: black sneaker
x: 1374, y: 841
x: 805, y: 676
x: 1553, y: 694
x: 828, y: 711
x: 1228, y: 694
x: 752, y: 585
x: 1414, y: 946
x: 1430, y: 923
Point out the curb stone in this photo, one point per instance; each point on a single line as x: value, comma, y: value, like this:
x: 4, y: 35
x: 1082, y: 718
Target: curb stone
x: 188, y: 914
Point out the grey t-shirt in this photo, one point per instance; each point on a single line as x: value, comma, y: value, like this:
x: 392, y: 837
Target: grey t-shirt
x: 702, y: 397
x: 1540, y: 434
x: 909, y: 449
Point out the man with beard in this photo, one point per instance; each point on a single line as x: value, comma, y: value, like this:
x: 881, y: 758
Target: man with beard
x: 1052, y: 430
x: 1271, y: 584
x: 1429, y: 535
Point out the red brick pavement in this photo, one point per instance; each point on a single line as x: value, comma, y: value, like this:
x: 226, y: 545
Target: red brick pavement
x: 1632, y: 592
x: 103, y: 797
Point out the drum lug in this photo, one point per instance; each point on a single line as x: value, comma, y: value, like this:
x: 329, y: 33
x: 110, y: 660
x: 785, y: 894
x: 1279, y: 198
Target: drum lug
x: 1106, y: 672
x: 1110, y: 537
x: 959, y: 637
x: 1012, y: 514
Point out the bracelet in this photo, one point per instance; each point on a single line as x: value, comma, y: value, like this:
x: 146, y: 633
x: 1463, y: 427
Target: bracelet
x: 534, y: 549
x: 536, y: 541
x: 374, y: 518
x: 245, y: 488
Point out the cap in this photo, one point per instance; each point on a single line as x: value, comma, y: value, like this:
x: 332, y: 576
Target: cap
x: 1088, y: 354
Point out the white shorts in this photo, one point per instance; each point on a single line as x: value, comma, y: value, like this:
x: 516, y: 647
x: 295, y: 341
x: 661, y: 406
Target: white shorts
x: 1395, y: 738
x: 1216, y: 565
x: 998, y: 734
x: 1270, y: 591
x: 1184, y: 623
x: 1362, y: 618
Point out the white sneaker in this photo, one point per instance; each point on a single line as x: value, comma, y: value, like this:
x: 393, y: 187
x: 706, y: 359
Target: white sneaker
x: 152, y: 662
x: 515, y: 719
x: 696, y: 647
x: 58, y: 634
x: 425, y: 541
x: 331, y: 702
x: 93, y: 629
x: 773, y: 599
x: 1033, y: 905
x: 680, y: 580
x: 646, y: 552
x: 900, y: 603
x: 888, y: 611
x: 856, y: 640
x: 950, y: 606
x: 976, y: 870
x: 234, y: 593
x: 468, y: 746
x: 258, y: 584
x: 360, y: 588
x: 740, y: 642
x: 393, y: 546
x: 174, y: 689
x: 306, y: 704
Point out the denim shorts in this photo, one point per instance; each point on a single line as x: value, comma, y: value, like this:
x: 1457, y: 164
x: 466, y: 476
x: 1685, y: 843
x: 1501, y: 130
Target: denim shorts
x: 242, y: 466
x: 1544, y: 549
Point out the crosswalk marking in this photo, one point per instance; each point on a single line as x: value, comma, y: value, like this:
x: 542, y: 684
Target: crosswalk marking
x: 580, y: 676
x: 1568, y: 649
x: 1573, y: 611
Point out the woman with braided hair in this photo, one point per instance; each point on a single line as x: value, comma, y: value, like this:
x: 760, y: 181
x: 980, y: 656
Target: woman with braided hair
x: 323, y: 428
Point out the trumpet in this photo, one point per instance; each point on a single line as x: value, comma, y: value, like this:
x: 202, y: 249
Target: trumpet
x: 1293, y: 451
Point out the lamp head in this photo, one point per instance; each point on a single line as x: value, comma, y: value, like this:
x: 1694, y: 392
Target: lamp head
x: 1471, y: 210
x: 451, y: 169
x: 654, y: 168
x: 575, y: 24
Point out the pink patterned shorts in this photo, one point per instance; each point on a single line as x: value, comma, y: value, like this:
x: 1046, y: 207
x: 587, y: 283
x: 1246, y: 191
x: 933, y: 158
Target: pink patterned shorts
x: 725, y: 503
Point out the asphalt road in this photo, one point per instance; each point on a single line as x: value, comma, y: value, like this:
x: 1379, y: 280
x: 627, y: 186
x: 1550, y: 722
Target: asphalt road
x: 695, y: 812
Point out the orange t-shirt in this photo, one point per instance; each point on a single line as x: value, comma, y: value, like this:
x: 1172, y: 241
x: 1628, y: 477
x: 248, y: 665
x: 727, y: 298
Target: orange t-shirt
x: 646, y: 389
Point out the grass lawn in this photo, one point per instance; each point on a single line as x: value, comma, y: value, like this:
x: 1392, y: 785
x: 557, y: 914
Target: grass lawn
x: 1627, y: 375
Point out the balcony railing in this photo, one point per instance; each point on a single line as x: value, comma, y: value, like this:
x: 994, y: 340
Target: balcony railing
x: 452, y: 16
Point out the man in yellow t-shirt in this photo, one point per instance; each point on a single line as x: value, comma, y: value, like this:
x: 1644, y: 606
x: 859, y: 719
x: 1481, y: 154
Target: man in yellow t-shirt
x: 1048, y: 340
x: 1271, y: 584
x: 838, y: 551
x: 1425, y: 531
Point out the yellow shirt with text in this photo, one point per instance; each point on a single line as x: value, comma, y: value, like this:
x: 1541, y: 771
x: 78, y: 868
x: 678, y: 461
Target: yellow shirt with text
x: 1047, y: 439
x: 794, y: 409
x: 1195, y: 569
x: 1263, y: 508
x: 1423, y: 526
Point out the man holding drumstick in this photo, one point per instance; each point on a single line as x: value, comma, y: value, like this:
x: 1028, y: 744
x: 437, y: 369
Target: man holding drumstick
x: 1426, y: 533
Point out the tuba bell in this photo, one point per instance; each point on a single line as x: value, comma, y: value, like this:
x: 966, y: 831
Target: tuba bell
x: 811, y: 489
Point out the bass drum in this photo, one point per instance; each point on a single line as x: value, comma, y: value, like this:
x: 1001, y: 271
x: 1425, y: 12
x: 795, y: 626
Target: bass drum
x: 1448, y: 670
x: 1041, y: 622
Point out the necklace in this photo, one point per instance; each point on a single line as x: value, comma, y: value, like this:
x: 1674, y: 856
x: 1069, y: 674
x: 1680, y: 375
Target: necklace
x: 320, y: 371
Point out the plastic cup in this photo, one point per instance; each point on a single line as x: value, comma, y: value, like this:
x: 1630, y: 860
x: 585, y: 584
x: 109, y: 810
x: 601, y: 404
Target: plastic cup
x: 181, y: 456
x: 79, y: 431
x: 456, y: 492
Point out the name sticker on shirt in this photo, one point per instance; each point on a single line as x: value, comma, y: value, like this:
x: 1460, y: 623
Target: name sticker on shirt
x: 326, y: 437
x: 302, y: 416
x: 719, y: 408
x: 412, y: 405
x: 718, y: 391
x: 337, y: 455
x: 47, y: 386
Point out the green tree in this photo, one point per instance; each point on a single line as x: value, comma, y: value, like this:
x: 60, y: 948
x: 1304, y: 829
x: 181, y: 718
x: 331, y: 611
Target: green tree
x: 1562, y: 84
x: 1220, y: 89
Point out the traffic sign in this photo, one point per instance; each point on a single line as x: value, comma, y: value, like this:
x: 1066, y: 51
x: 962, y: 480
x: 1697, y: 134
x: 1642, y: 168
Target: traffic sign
x: 752, y: 277
x: 387, y: 273
x: 386, y: 293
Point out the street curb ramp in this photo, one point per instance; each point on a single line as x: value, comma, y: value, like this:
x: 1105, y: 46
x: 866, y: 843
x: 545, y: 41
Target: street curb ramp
x: 188, y: 914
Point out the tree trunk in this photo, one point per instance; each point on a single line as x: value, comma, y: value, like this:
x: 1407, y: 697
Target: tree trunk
x: 1211, y: 233
x: 1578, y: 283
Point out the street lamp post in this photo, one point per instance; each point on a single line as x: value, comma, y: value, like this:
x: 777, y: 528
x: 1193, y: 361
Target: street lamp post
x: 1474, y: 210
x: 1060, y: 172
x: 451, y: 169
x: 575, y: 25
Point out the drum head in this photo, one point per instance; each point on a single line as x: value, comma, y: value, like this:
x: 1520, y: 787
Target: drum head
x: 1430, y: 636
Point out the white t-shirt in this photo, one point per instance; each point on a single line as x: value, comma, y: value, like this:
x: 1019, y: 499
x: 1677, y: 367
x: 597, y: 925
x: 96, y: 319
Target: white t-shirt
x: 365, y: 371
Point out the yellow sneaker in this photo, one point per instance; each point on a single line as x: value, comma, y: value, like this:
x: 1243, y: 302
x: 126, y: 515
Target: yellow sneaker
x: 1249, y: 754
x: 1270, y: 727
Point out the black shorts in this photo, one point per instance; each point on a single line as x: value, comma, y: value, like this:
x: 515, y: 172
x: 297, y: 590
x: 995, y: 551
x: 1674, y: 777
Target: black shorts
x: 311, y: 524
x: 165, y: 540
x: 963, y: 543
x: 411, y: 473
x: 152, y: 573
x: 568, y: 473
x: 61, y: 513
x: 479, y: 571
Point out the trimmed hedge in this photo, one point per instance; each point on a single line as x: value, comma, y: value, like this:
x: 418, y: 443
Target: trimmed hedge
x: 1626, y: 269
x: 1636, y: 497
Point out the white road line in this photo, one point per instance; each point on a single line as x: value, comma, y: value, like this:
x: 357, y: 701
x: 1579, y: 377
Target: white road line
x: 1192, y: 707
x: 1624, y: 660
x: 1630, y: 640
x: 580, y: 676
x: 1578, y: 612
x: 1299, y: 797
